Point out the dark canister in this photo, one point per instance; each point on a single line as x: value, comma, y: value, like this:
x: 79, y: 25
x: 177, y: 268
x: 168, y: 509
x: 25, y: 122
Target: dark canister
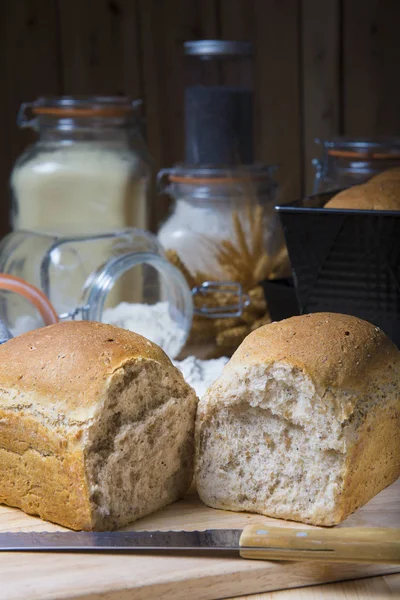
x: 218, y: 102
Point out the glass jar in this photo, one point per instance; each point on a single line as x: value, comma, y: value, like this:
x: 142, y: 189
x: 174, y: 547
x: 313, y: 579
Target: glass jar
x: 88, y: 171
x: 218, y: 102
x: 203, y: 215
x: 223, y: 228
x: 72, y: 273
x: 348, y: 161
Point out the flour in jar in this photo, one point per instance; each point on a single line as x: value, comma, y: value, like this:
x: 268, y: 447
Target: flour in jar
x: 156, y: 324
x: 79, y: 189
x: 152, y: 321
x: 196, y: 229
x: 190, y: 231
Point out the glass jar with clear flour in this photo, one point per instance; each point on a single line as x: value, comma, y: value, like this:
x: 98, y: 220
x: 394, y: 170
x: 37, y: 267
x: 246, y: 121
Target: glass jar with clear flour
x: 88, y: 170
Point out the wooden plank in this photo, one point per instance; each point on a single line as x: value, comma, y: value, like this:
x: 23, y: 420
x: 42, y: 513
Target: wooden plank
x: 237, y: 23
x: 29, y: 67
x: 176, y: 577
x: 361, y: 589
x: 273, y: 27
x: 100, y: 47
x: 277, y: 71
x: 164, y: 27
x: 371, y: 55
x: 320, y: 23
x: 236, y: 20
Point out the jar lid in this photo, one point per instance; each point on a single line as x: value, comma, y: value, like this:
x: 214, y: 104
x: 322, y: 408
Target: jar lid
x: 193, y: 174
x: 68, y: 107
x: 207, y: 182
x: 383, y: 148
x: 206, y: 49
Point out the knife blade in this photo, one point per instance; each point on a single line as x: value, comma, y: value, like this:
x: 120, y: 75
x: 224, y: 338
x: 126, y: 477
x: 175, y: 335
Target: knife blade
x: 103, y: 541
x: 259, y: 541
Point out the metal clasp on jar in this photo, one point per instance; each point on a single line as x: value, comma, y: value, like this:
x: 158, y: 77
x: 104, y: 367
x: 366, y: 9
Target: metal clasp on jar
x: 79, y: 311
x: 231, y: 288
x: 23, y: 118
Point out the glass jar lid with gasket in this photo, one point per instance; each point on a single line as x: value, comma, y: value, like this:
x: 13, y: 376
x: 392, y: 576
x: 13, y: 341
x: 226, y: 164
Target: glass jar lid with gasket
x: 349, y: 161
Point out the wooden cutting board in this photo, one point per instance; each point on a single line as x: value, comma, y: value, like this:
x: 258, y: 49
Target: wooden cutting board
x: 145, y: 576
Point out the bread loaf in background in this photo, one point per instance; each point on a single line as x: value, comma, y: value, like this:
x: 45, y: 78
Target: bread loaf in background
x: 96, y: 426
x: 304, y: 422
x: 377, y: 194
x: 393, y: 174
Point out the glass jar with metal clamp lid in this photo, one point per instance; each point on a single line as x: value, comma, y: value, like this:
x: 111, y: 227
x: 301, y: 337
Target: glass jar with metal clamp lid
x: 136, y: 287
x: 223, y: 229
x: 88, y: 170
x: 351, y: 161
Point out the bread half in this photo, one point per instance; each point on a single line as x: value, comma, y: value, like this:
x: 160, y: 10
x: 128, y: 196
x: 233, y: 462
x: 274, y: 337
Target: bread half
x: 304, y: 422
x: 96, y: 426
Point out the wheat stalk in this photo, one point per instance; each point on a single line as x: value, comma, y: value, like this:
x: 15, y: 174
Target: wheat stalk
x: 242, y: 259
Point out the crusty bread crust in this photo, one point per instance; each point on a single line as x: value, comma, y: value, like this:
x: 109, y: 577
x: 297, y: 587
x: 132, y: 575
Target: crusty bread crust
x: 337, y: 351
x: 54, y: 383
x: 75, y: 357
x: 380, y: 194
x: 393, y: 173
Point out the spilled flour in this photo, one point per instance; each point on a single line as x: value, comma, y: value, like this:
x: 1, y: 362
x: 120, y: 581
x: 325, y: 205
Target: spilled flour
x: 200, y: 374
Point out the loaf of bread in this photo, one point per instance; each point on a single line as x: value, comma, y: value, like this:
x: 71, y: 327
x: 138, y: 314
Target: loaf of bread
x: 375, y: 195
x: 393, y: 174
x: 96, y: 426
x: 304, y: 422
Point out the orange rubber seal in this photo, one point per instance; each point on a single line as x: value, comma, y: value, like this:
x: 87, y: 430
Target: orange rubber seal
x: 362, y: 154
x: 32, y: 294
x: 82, y: 112
x: 215, y: 180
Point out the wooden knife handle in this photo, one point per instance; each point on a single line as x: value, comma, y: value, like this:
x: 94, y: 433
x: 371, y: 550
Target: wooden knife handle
x: 347, y: 544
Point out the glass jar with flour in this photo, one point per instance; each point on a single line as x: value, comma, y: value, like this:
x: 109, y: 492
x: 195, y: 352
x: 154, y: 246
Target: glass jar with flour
x: 223, y: 228
x: 119, y: 278
x: 88, y: 170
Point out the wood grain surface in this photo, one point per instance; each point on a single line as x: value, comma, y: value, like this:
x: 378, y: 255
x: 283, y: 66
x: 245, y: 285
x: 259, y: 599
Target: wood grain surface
x: 201, y: 577
x: 387, y: 586
x: 322, y: 69
x: 321, y: 79
x: 371, y: 92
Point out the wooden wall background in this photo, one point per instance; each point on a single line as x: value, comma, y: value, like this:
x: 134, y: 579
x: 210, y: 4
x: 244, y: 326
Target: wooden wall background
x: 323, y: 67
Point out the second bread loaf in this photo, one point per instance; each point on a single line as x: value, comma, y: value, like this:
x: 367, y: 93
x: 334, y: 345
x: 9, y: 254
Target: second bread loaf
x: 304, y: 423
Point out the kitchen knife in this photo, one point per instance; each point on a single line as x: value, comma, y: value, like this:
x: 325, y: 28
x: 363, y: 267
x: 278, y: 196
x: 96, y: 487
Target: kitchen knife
x: 259, y: 541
